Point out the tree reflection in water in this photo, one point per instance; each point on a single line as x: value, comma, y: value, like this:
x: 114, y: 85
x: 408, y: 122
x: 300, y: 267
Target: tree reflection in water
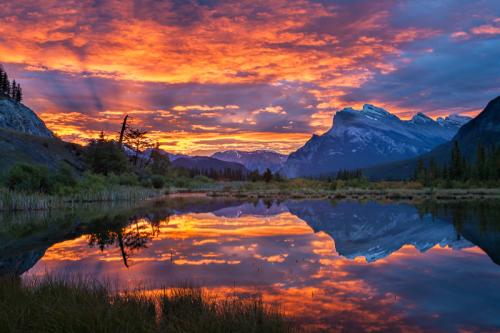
x: 129, y: 237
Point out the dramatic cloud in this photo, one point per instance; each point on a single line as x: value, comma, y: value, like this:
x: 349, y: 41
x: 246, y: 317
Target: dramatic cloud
x: 209, y: 75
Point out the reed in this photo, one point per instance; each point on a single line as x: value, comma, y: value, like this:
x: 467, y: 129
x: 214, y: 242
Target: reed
x: 84, y: 305
x: 18, y: 201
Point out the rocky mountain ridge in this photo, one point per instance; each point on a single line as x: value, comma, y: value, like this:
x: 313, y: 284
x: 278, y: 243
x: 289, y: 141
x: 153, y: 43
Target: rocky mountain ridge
x: 367, y: 137
x: 17, y: 117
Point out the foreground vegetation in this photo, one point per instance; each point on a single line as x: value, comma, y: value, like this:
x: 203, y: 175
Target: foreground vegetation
x: 84, y: 305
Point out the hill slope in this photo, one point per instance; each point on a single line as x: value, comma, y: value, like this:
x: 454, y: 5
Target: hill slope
x: 24, y: 138
x: 18, y: 147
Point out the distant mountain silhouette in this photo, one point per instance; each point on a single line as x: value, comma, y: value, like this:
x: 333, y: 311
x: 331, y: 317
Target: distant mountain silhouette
x: 254, y: 160
x: 207, y: 163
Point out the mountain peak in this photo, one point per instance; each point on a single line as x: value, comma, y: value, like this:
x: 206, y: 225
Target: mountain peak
x: 421, y: 118
x: 453, y: 120
x: 375, y: 111
x: 366, y: 137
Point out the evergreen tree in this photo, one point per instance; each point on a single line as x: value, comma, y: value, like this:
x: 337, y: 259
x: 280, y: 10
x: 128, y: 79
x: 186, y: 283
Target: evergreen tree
x: 19, y: 96
x: 267, y: 176
x: 105, y: 156
x: 456, y: 168
x: 13, y: 90
x: 420, y: 170
x: 481, y: 171
x: 254, y: 175
x: 5, y: 83
x: 160, y: 162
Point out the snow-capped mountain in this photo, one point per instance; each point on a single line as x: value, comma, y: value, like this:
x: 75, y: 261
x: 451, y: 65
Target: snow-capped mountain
x: 254, y: 160
x: 367, y: 137
x: 484, y: 129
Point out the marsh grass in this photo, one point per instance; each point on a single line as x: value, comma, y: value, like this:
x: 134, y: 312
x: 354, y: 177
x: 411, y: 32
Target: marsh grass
x: 17, y: 201
x: 351, y: 189
x: 189, y: 309
x: 83, y: 305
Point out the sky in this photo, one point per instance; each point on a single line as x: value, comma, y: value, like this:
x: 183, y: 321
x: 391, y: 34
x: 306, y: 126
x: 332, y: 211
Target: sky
x: 208, y: 75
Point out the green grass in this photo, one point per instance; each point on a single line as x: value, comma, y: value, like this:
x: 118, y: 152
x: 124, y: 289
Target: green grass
x: 84, y: 305
x: 16, y: 147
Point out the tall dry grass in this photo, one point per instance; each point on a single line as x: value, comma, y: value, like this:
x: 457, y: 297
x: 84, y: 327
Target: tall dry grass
x: 17, y: 201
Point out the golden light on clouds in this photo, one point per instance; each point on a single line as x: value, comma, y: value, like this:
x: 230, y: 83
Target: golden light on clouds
x: 227, y: 68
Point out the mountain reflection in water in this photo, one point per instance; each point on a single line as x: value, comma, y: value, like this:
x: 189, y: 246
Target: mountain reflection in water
x: 333, y: 265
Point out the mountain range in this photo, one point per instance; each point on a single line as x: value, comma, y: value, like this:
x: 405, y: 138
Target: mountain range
x: 369, y: 137
x: 259, y: 160
x: 484, y: 129
x: 205, y: 163
x: 373, y: 230
x: 372, y: 139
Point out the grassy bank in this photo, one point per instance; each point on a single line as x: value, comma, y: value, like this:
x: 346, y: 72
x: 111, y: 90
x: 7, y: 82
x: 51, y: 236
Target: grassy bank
x: 354, y: 189
x: 102, y: 189
x: 83, y: 305
x: 16, y: 201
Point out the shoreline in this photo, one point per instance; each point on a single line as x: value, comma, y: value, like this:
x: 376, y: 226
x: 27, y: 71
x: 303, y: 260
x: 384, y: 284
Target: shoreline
x: 20, y: 202
x: 360, y: 194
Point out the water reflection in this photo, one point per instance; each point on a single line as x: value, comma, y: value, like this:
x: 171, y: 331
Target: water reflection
x: 334, y: 265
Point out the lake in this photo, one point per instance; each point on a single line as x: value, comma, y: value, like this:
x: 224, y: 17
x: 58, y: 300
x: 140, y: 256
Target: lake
x: 332, y: 265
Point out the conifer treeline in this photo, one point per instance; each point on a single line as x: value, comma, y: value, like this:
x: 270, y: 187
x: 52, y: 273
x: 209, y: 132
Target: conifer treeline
x: 8, y: 88
x: 486, y: 167
x: 218, y: 174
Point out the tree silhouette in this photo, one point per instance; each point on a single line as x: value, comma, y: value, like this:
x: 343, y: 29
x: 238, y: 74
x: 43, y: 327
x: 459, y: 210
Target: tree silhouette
x: 267, y: 176
x: 137, y: 139
x: 12, y: 90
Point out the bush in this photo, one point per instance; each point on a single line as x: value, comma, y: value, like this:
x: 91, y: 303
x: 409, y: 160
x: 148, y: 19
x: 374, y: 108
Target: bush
x: 158, y: 181
x: 92, y: 183
x: 202, y: 179
x: 128, y: 179
x: 28, y: 178
x: 105, y: 157
x: 146, y: 182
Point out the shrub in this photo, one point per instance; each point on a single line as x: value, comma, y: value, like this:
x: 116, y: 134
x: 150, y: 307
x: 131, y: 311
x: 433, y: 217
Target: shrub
x: 104, y: 157
x: 158, y: 181
x: 129, y: 179
x: 92, y: 183
x: 28, y: 178
x: 202, y: 179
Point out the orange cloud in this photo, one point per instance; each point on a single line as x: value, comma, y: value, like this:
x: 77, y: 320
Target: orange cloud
x: 321, y: 46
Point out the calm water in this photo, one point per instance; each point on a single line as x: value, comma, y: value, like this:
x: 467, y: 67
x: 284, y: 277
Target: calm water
x: 335, y: 266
